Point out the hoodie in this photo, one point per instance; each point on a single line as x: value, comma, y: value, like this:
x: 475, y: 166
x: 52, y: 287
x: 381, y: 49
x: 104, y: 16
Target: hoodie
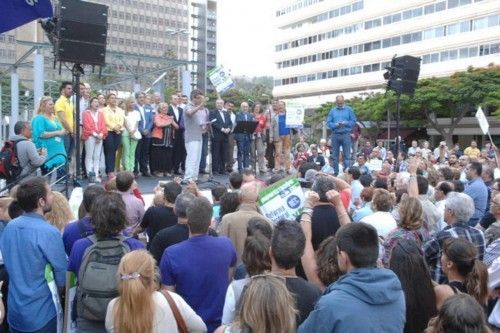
x: 27, y: 154
x: 364, y: 300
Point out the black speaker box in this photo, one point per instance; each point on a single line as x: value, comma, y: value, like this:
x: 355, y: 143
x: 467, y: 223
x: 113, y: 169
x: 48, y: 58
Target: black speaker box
x: 81, y: 32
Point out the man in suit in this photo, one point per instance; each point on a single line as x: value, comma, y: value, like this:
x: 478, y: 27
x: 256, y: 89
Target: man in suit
x: 316, y: 157
x: 145, y: 127
x: 221, y: 128
x: 243, y: 140
x: 179, y: 151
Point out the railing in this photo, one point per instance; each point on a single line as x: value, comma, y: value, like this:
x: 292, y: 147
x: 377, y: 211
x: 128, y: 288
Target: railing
x: 62, y: 179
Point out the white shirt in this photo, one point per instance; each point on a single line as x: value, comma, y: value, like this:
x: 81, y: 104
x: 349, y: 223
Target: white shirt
x: 164, y: 320
x: 132, y: 118
x: 176, y: 112
x: 382, y: 221
x: 141, y: 111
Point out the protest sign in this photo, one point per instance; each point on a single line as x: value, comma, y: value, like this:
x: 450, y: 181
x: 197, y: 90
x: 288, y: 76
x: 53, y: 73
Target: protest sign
x: 220, y: 79
x: 483, y: 122
x: 294, y: 115
x: 282, y: 200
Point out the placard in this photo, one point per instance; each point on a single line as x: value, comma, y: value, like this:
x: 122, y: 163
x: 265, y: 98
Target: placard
x: 282, y: 200
x: 220, y: 79
x: 483, y: 122
x: 294, y: 115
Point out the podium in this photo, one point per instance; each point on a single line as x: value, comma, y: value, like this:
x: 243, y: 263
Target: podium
x: 245, y: 127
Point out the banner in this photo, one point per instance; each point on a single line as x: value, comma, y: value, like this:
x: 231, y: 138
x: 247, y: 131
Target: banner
x: 282, y: 200
x: 69, y: 325
x: 220, y: 79
x: 51, y: 283
x: 294, y: 115
x: 14, y: 13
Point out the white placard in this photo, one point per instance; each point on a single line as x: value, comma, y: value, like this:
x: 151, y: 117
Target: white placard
x: 483, y: 122
x: 294, y: 115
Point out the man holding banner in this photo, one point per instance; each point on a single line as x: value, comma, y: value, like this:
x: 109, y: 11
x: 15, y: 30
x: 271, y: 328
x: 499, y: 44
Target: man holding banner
x: 341, y: 120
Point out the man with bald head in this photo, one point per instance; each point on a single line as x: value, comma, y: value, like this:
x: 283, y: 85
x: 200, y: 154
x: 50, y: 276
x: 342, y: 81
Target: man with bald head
x: 234, y: 225
x: 243, y: 140
x: 221, y: 127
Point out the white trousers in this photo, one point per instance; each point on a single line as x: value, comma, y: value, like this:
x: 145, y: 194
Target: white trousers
x: 93, y: 149
x: 193, y: 158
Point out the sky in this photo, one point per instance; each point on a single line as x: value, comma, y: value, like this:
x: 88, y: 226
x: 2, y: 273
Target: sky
x: 244, y: 41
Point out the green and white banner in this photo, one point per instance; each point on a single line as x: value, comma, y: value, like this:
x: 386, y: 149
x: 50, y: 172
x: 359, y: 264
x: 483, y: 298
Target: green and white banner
x: 51, y: 283
x: 220, y: 79
x: 282, y: 200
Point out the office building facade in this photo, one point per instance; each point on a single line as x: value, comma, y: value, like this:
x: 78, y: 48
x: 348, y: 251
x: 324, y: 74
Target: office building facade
x: 204, y: 42
x: 324, y: 48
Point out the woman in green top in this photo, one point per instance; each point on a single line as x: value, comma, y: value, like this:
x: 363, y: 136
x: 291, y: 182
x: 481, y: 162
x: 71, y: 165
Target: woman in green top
x: 48, y: 133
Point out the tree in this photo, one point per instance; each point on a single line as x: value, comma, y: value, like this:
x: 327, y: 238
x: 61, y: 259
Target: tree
x: 453, y: 97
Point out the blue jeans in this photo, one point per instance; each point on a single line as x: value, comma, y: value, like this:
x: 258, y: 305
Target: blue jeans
x: 204, y: 152
x: 69, y: 145
x: 50, y: 327
x: 344, y: 141
x: 243, y: 152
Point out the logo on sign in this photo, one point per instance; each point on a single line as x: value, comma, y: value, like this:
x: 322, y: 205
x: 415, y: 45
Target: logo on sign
x: 293, y: 202
x: 31, y: 2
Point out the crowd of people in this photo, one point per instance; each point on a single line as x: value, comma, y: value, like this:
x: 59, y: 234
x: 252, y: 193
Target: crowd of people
x: 390, y: 239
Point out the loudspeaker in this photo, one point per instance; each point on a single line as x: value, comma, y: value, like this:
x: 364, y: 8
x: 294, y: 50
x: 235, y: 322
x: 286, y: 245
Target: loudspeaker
x: 403, y: 74
x: 81, y: 32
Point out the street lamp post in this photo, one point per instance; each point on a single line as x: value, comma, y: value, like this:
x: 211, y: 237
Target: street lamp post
x: 178, y: 32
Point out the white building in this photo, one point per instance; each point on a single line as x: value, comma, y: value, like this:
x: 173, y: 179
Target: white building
x: 327, y: 47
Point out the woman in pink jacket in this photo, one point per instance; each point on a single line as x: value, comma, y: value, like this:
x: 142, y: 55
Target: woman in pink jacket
x: 94, y: 132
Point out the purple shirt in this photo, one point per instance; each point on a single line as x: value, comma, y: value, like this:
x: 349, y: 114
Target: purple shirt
x: 198, y: 268
x: 72, y: 233
x: 135, y: 210
x: 78, y: 250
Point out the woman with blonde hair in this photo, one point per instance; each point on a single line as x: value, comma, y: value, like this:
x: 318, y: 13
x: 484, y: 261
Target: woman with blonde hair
x: 141, y: 307
x: 60, y: 214
x: 410, y: 227
x: 48, y: 133
x: 267, y: 307
x: 114, y: 117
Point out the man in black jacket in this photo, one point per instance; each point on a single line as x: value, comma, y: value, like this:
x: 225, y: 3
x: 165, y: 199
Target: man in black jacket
x: 221, y: 127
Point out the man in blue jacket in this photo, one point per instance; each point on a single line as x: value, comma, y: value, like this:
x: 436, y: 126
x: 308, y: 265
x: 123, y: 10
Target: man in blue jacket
x: 366, y: 298
x: 341, y: 121
x: 145, y: 127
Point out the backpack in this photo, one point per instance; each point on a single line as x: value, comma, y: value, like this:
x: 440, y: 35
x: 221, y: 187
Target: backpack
x: 9, y: 163
x: 97, y: 284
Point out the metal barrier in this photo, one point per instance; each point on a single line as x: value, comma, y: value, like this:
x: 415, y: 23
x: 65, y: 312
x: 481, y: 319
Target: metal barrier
x: 64, y: 179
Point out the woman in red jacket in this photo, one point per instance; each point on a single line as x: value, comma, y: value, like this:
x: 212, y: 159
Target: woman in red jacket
x: 94, y: 132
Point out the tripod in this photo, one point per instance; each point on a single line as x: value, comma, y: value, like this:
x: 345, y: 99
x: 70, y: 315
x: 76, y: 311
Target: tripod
x: 76, y: 71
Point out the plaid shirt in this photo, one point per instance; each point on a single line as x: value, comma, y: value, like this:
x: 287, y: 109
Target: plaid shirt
x: 492, y: 252
x: 434, y: 248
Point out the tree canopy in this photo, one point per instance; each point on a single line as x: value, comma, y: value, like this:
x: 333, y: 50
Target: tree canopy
x: 451, y: 97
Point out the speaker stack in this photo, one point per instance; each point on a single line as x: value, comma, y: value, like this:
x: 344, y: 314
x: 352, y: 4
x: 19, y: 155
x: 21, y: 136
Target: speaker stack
x: 402, y: 75
x: 81, y: 33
